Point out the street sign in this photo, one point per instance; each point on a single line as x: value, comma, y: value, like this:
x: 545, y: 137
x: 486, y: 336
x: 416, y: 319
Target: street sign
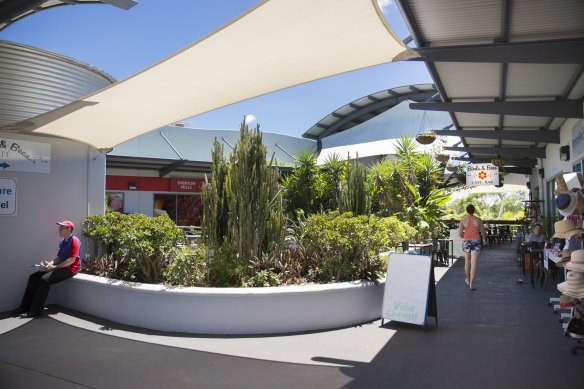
x: 8, y: 192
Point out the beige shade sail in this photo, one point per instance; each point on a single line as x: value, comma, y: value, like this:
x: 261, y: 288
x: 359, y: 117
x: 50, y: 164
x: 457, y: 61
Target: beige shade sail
x: 275, y: 45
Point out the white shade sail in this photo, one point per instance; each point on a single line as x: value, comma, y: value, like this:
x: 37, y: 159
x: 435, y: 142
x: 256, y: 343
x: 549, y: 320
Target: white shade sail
x: 275, y: 45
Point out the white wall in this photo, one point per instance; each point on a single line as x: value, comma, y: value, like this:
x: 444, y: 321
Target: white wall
x: 552, y: 165
x: 72, y: 190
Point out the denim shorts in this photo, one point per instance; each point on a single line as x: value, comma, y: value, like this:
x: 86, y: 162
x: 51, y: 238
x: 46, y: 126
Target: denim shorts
x: 472, y: 245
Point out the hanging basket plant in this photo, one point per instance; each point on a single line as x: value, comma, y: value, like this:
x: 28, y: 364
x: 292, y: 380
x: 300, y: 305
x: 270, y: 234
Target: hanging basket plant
x: 442, y: 158
x: 426, y: 138
x: 452, y: 168
x: 499, y: 162
x: 460, y: 177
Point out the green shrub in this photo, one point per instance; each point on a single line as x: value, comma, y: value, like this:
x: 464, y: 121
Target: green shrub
x: 348, y: 247
x: 189, y: 267
x: 263, y: 278
x: 133, y: 247
x: 226, y: 269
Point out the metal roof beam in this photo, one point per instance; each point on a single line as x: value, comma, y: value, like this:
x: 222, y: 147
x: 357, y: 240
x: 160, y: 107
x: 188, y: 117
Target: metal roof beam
x: 528, y: 152
x: 170, y: 168
x: 544, y: 52
x: 555, y: 108
x: 523, y: 162
x: 516, y: 170
x: 545, y: 136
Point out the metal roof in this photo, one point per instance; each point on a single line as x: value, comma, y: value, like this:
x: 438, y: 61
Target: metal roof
x: 367, y: 107
x: 182, y: 149
x: 34, y: 81
x: 13, y: 11
x: 510, y: 72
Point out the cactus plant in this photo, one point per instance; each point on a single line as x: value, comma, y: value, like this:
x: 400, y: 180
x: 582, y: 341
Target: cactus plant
x: 247, y: 206
x: 353, y: 196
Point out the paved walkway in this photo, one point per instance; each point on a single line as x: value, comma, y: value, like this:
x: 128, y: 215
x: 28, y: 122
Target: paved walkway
x: 502, y: 335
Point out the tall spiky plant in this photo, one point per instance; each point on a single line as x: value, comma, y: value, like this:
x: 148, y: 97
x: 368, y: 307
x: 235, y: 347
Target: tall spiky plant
x: 215, y: 206
x: 353, y: 195
x: 256, y: 220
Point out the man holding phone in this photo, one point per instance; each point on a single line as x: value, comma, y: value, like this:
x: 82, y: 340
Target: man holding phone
x: 65, y: 265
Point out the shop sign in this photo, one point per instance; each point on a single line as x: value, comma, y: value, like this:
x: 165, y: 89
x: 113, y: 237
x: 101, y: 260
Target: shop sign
x: 482, y: 174
x: 578, y: 138
x: 24, y: 156
x: 186, y: 185
x: 8, y: 192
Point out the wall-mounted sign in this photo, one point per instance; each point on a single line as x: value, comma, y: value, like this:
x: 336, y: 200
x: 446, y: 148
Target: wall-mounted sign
x: 578, y: 139
x: 482, y: 174
x: 24, y: 156
x: 8, y: 191
x: 186, y: 185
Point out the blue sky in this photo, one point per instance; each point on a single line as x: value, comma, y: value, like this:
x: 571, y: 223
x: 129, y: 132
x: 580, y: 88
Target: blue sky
x: 124, y: 42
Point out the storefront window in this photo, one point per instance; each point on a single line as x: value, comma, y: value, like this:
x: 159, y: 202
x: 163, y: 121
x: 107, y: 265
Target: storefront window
x: 577, y: 167
x: 184, y: 210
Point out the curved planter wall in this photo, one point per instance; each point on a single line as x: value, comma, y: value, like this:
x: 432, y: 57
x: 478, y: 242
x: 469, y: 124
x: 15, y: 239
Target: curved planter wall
x: 222, y: 310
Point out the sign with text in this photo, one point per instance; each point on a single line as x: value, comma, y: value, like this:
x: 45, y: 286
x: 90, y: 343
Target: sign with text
x: 24, y: 156
x: 578, y: 139
x: 405, y: 297
x: 8, y: 192
x: 482, y: 174
x: 186, y: 185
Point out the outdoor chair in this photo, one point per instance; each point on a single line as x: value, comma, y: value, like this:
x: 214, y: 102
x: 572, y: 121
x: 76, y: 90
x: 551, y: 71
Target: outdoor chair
x: 536, y: 259
x: 438, y: 251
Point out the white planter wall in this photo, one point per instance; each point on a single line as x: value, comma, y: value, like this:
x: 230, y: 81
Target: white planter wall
x: 222, y: 310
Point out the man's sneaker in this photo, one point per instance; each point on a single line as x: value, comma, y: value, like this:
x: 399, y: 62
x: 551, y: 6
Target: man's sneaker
x: 18, y: 311
x: 30, y: 315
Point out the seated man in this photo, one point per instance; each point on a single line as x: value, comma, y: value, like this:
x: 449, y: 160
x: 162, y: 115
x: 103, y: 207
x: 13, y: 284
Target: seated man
x: 65, y: 265
x: 536, y: 235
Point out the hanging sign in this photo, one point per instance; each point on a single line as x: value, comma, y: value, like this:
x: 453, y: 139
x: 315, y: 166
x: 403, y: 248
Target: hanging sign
x: 8, y: 191
x: 482, y: 174
x: 24, y: 156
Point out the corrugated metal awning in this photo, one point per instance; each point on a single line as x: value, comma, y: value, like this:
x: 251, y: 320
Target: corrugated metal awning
x: 510, y: 72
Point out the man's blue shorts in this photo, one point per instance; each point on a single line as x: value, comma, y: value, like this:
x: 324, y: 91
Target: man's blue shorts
x: 472, y: 245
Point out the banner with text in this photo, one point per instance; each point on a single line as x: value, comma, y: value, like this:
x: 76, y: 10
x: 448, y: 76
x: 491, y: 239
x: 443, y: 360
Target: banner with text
x: 482, y: 174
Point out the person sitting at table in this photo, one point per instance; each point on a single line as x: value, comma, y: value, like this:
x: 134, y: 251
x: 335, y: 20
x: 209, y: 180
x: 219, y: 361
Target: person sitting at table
x: 536, y: 235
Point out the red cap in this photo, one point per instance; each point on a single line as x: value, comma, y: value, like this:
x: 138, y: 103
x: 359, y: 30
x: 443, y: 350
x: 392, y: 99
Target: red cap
x: 68, y: 224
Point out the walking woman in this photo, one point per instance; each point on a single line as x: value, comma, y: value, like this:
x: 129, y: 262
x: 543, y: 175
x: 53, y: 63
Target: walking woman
x: 468, y: 230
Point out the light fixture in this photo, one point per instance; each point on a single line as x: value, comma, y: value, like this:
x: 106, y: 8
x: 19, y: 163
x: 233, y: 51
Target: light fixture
x: 132, y: 185
x: 565, y: 153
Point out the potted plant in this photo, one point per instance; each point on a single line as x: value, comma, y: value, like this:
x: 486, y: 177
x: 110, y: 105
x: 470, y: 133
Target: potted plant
x: 442, y: 157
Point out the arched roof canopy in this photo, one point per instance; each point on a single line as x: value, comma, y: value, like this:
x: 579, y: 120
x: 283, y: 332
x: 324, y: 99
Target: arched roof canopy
x: 367, y: 107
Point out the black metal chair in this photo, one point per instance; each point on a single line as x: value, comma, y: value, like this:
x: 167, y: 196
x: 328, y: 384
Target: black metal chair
x: 536, y: 258
x: 438, y: 251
